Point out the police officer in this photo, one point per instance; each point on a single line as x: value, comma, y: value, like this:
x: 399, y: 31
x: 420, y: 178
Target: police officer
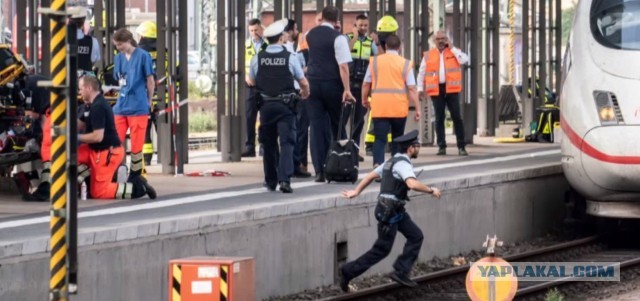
x: 362, y: 48
x: 300, y: 160
x: 272, y: 72
x: 101, y: 152
x: 88, y: 47
x: 397, y: 179
x: 253, y: 45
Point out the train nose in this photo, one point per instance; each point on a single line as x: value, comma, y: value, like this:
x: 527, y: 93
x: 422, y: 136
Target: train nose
x: 611, y: 157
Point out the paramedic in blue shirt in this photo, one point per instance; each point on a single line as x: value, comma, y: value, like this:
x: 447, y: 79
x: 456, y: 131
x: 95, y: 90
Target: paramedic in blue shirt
x: 133, y: 69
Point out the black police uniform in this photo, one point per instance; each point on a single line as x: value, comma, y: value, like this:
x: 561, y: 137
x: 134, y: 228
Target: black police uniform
x: 392, y: 218
x: 274, y: 79
x: 85, y: 46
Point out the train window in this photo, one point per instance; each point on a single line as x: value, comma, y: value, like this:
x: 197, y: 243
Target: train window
x: 616, y: 23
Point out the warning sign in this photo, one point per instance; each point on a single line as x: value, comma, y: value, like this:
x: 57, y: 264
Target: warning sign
x: 491, y: 279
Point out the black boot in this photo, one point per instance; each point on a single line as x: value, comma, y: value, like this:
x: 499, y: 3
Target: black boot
x: 141, y: 188
x: 40, y: 195
x: 285, y: 187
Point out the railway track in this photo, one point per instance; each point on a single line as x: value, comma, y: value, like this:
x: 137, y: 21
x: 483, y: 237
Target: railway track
x: 449, y: 284
x: 196, y: 143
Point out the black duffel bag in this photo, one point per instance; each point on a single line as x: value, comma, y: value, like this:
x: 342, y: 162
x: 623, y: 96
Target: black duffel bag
x: 342, y: 160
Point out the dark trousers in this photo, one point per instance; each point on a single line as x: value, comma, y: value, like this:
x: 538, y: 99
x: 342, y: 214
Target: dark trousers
x: 277, y: 123
x: 324, y: 107
x: 451, y: 101
x: 251, y: 112
x: 383, y: 245
x: 360, y: 111
x: 302, y: 137
x: 381, y: 128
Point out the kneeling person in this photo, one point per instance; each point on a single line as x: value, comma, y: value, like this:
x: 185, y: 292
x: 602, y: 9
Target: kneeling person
x: 101, y: 152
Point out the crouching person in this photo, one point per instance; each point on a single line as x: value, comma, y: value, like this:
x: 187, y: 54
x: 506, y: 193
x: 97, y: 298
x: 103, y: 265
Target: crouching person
x: 101, y: 151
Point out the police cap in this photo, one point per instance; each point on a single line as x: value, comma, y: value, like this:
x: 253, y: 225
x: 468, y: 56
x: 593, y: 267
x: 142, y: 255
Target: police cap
x: 77, y: 12
x: 275, y: 28
x: 408, y: 138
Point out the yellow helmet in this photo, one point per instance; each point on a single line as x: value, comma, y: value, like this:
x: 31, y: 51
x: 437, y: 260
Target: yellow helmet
x: 387, y: 24
x: 147, y: 29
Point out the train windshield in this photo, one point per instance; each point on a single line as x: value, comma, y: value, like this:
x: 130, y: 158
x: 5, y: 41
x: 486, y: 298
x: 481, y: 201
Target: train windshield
x: 616, y: 23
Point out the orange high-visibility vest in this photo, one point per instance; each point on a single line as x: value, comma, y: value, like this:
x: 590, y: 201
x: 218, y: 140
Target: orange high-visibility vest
x: 302, y: 42
x: 453, y: 73
x: 389, y: 92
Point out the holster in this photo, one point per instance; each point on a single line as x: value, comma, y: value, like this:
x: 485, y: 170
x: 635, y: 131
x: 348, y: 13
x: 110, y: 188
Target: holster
x: 387, y: 208
x: 259, y: 101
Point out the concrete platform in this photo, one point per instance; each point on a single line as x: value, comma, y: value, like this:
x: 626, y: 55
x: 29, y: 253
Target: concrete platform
x: 512, y: 190
x: 249, y: 174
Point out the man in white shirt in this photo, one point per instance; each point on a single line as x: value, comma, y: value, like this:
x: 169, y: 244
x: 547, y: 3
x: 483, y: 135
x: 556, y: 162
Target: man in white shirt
x: 440, y: 77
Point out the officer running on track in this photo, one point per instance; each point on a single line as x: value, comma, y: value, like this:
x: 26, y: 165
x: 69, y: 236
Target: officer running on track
x: 272, y: 72
x: 397, y: 179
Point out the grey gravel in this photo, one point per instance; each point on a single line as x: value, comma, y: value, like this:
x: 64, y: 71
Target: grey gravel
x: 432, y: 265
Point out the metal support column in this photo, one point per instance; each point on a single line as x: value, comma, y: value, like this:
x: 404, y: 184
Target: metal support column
x: 221, y: 76
x: 471, y: 102
x: 422, y: 34
x: 163, y: 122
x: 297, y: 8
x: 319, y: 5
x: 340, y: 6
x: 408, y: 30
x: 277, y: 9
x: 33, y: 31
x: 72, y: 158
x: 456, y: 24
x: 373, y: 14
x: 527, y: 104
x: 391, y: 9
x: 183, y: 71
x: 493, y: 122
x: 120, y: 14
x: 231, y: 121
x: 21, y: 21
x: 541, y: 76
x: 491, y: 75
x: 286, y: 12
x: 425, y: 32
x: 558, y: 46
x: 45, y: 40
x: 109, y: 29
x: 100, y: 32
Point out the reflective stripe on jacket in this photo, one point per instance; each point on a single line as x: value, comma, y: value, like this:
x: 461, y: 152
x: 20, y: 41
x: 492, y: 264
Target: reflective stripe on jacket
x: 250, y: 52
x: 361, y: 49
x: 453, y: 72
x: 389, y: 92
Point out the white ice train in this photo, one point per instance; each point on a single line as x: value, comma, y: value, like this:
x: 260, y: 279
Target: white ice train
x: 600, y: 107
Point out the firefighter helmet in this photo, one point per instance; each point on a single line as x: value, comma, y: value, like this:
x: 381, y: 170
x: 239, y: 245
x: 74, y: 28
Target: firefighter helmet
x: 147, y: 29
x: 387, y: 24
